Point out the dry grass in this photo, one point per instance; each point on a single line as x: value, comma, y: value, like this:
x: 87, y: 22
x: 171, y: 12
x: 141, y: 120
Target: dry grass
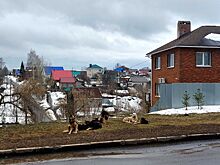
x: 51, y: 133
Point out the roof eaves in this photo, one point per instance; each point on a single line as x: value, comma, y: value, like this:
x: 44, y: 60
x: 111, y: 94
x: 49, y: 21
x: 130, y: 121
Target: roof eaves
x: 191, y: 39
x: 182, y: 46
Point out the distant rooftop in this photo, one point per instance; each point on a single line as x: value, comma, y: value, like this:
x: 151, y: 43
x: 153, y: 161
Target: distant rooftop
x: 48, y: 69
x: 58, y: 74
x: 94, y: 66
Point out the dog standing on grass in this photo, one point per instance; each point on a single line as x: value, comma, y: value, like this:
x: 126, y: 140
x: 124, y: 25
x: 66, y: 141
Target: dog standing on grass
x: 104, y: 116
x: 73, y: 125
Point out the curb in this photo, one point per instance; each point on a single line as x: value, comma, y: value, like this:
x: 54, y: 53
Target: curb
x: 103, y: 144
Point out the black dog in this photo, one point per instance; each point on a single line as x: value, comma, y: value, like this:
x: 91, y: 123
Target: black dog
x: 144, y: 121
x: 90, y: 125
x: 94, y: 124
x: 105, y: 114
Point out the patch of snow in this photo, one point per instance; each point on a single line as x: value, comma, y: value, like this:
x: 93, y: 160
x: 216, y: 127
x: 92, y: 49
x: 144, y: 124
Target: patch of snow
x: 56, y: 96
x: 108, y: 95
x: 91, y: 112
x: 59, y: 112
x: 193, y: 109
x: 213, y: 36
x: 127, y: 103
x: 51, y: 115
x: 122, y: 91
x: 110, y: 109
x: 44, y: 104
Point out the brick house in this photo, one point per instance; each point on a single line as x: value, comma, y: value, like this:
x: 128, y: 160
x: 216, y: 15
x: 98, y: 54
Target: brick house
x: 191, y: 58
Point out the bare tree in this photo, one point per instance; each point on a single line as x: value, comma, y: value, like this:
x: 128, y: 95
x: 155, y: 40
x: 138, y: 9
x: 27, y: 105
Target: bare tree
x: 82, y: 101
x: 2, y: 63
x: 36, y: 64
x: 29, y: 92
x: 141, y: 92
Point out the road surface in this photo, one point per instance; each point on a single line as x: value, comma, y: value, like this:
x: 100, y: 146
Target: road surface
x: 187, y: 153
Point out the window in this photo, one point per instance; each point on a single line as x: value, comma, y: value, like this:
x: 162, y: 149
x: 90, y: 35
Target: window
x: 170, y: 60
x: 157, y: 89
x: 157, y: 62
x: 203, y: 59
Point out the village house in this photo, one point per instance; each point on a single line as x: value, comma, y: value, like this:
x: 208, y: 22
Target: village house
x: 93, y: 70
x: 87, y: 101
x: 94, y: 73
x: 63, y: 79
x: 48, y: 70
x: 187, y: 63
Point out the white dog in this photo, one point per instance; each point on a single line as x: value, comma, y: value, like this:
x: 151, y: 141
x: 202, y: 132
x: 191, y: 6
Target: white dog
x: 132, y: 119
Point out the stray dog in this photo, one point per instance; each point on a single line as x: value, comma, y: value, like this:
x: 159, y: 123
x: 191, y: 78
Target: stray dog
x: 144, y: 121
x: 132, y: 119
x: 73, y: 125
x: 94, y: 124
x: 104, y: 116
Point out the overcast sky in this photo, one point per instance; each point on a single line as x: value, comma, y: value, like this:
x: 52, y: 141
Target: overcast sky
x: 75, y: 33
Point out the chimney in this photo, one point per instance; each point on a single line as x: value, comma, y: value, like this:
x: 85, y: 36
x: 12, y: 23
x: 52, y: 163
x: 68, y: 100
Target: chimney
x: 183, y: 27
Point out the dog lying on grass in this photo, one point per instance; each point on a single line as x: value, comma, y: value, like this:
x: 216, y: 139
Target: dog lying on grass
x: 74, y: 126
x: 144, y: 121
x: 131, y: 119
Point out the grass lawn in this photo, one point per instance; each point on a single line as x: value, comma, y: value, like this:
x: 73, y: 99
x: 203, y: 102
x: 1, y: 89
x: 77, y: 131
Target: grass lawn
x: 47, y: 134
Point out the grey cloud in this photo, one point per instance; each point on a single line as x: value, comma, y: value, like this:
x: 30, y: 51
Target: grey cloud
x: 137, y: 19
x: 77, y: 32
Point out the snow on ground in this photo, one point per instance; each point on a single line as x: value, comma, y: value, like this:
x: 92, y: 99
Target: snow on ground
x: 51, y: 115
x: 8, y: 112
x: 44, y: 103
x: 55, y: 97
x: 127, y: 103
x: 122, y: 91
x: 193, y: 109
x: 110, y: 109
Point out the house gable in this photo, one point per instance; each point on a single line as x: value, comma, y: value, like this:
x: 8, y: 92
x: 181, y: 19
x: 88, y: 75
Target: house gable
x: 196, y: 38
x: 185, y: 69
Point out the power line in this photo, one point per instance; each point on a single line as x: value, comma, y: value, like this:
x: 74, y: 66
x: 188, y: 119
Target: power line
x: 138, y: 64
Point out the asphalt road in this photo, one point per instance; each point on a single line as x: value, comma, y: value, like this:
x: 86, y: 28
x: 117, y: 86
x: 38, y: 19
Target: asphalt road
x: 187, y: 153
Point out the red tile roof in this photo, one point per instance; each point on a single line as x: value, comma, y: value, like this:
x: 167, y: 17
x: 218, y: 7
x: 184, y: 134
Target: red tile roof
x: 68, y: 80
x: 58, y: 74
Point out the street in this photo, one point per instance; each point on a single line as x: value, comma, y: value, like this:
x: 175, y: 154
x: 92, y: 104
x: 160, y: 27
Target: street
x: 187, y: 153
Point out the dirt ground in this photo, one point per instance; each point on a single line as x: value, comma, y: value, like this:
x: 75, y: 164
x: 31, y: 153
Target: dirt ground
x: 95, y: 135
x: 51, y: 134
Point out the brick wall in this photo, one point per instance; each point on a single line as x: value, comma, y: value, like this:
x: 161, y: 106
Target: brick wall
x: 190, y: 73
x: 185, y: 69
x: 171, y: 75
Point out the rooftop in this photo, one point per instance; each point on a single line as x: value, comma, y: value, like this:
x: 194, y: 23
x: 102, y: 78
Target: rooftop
x: 58, y: 74
x: 196, y: 38
x: 48, y: 69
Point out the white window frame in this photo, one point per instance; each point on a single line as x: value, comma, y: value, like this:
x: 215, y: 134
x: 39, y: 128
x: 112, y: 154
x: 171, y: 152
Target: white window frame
x: 170, y: 60
x: 203, y: 59
x: 157, y: 89
x: 157, y: 62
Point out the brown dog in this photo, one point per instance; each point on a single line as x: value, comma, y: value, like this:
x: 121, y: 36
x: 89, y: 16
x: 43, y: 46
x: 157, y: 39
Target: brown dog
x: 73, y: 125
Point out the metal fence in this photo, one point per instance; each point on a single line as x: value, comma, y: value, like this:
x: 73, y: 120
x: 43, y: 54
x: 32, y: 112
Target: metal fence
x: 171, y: 95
